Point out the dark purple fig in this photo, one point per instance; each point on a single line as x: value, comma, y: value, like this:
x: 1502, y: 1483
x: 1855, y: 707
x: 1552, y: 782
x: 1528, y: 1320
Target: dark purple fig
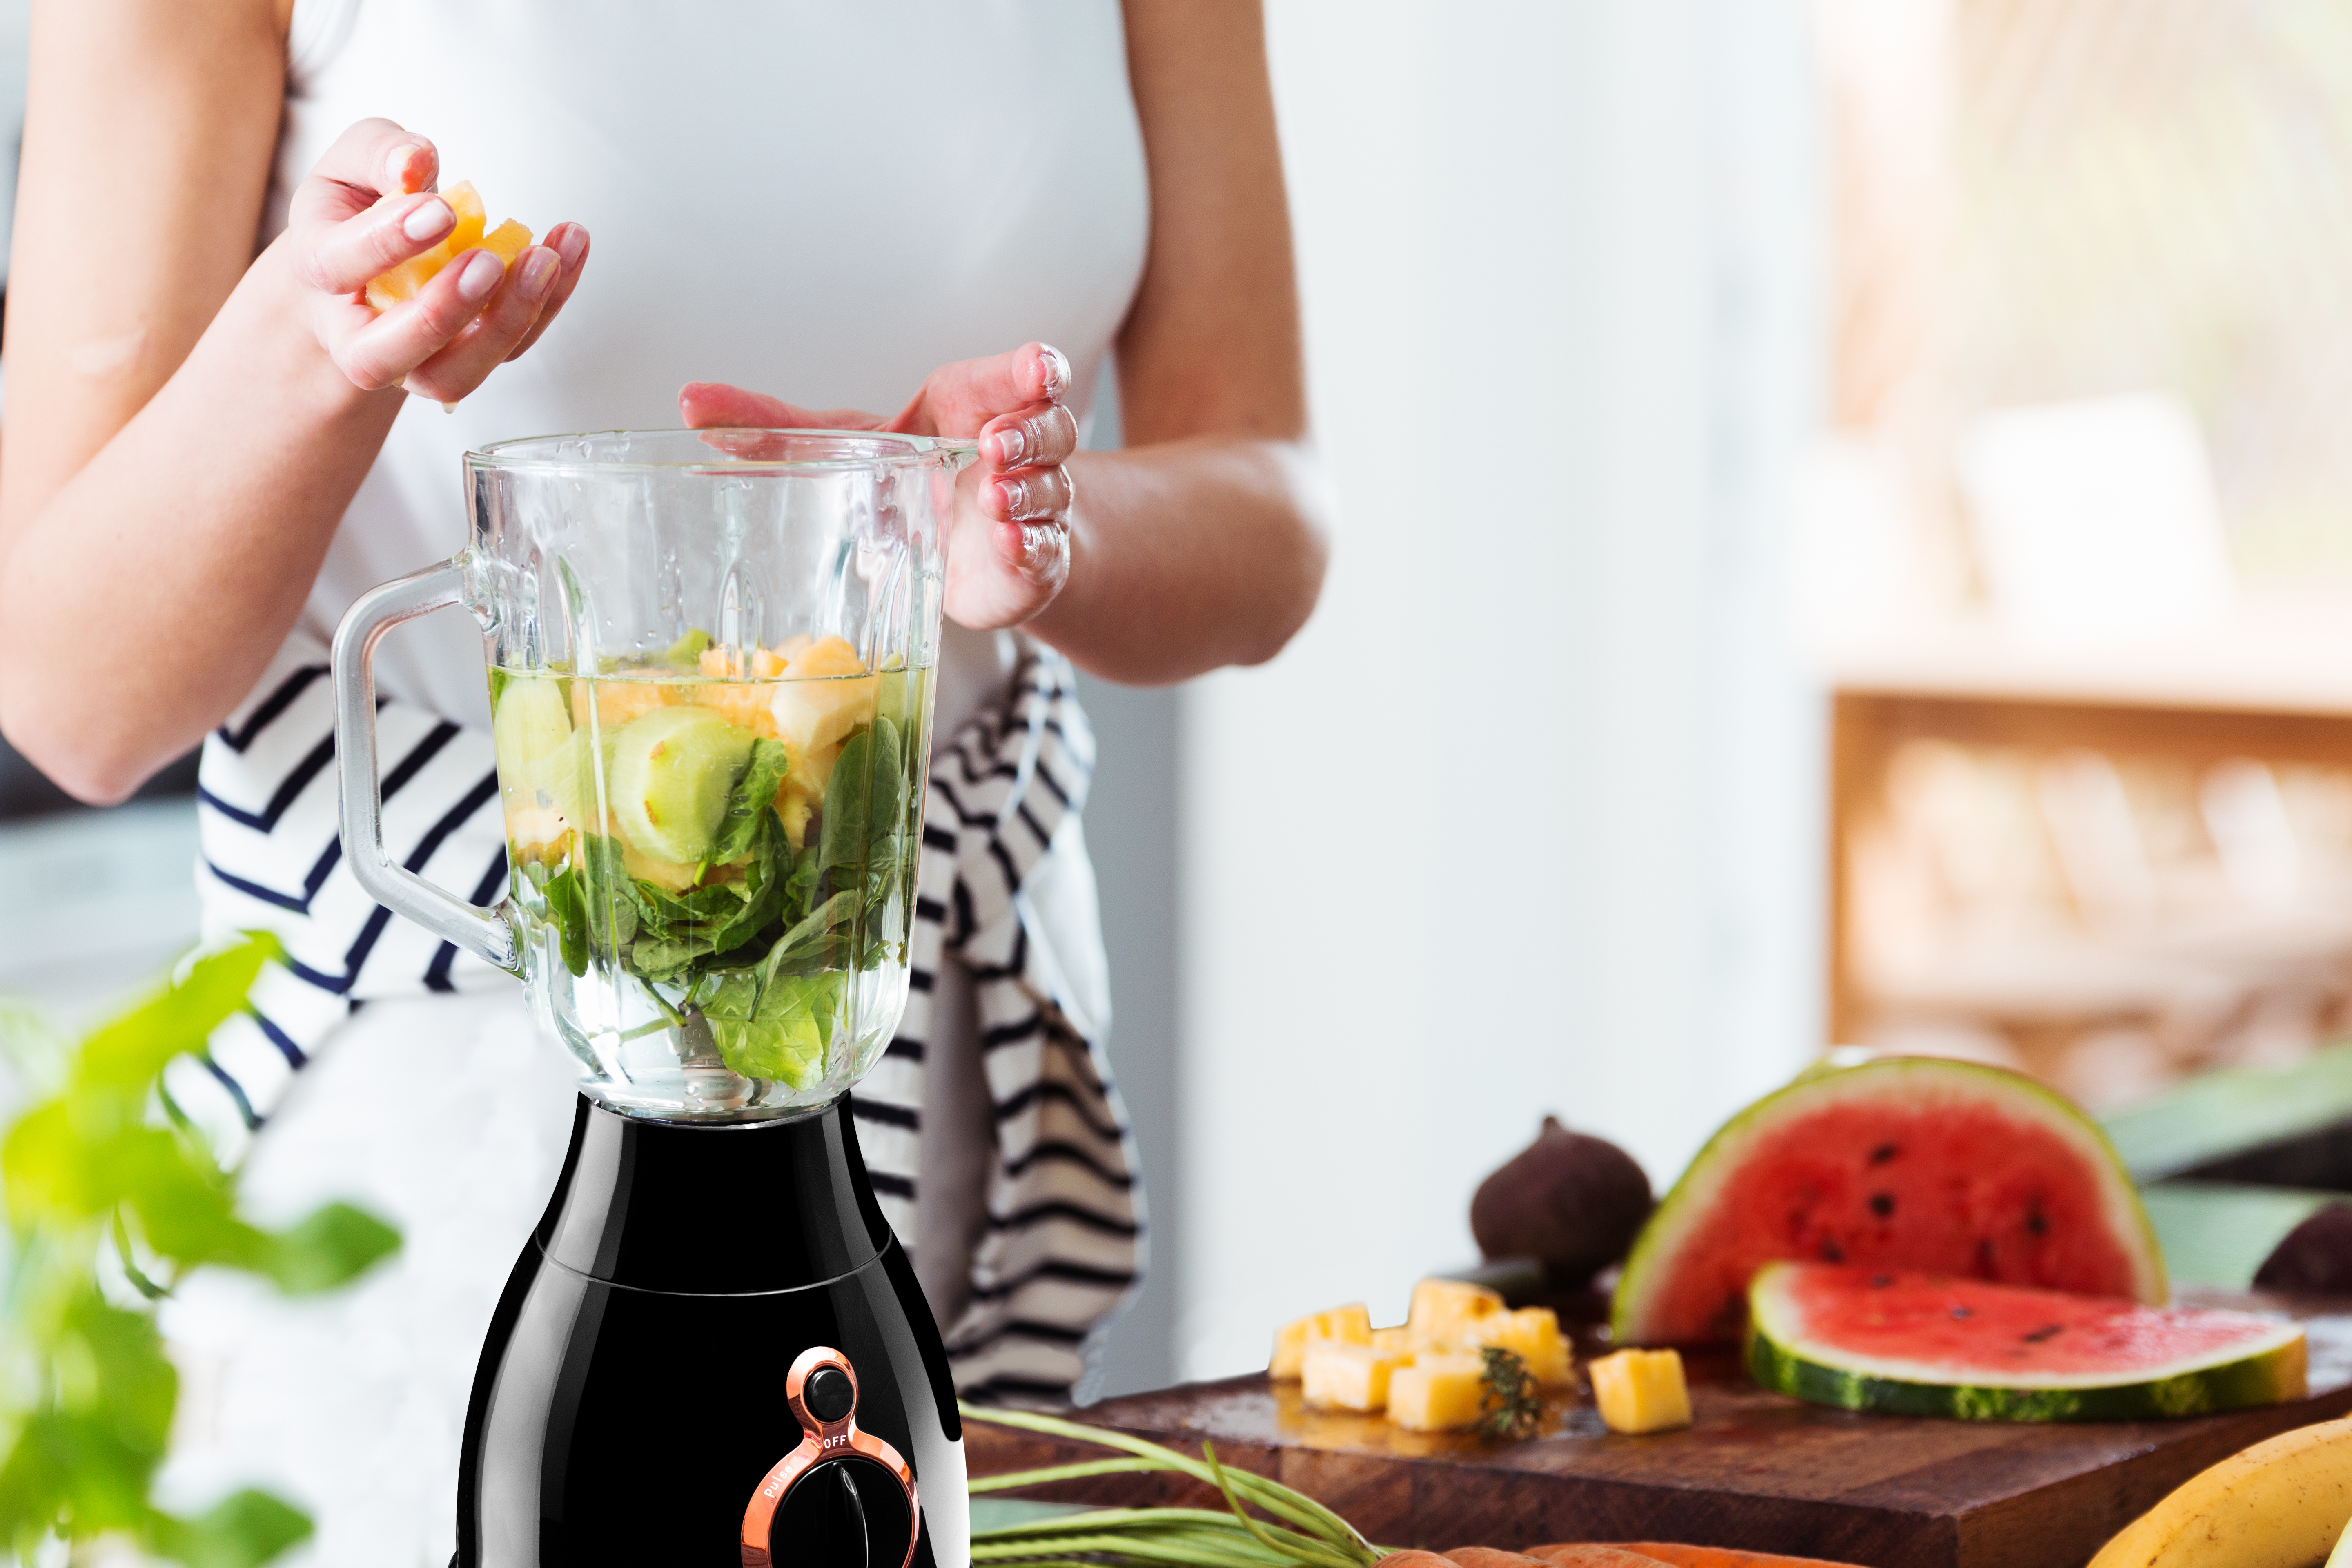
x: 1572, y: 1201
x: 2316, y: 1255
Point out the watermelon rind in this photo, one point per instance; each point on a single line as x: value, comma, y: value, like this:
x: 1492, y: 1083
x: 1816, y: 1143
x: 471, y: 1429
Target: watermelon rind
x: 2264, y: 1370
x: 1651, y: 1268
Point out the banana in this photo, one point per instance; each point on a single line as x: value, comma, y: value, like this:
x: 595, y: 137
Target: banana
x: 2279, y: 1504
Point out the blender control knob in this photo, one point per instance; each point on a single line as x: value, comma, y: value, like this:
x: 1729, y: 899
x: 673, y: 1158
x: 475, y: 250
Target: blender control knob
x: 828, y: 1393
x: 842, y: 1496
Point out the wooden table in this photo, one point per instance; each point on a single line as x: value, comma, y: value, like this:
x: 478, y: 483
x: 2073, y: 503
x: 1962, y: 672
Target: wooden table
x: 1754, y: 1470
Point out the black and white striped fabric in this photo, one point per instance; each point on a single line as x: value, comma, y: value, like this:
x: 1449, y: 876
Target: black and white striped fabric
x: 1065, y: 1238
x: 1066, y: 1223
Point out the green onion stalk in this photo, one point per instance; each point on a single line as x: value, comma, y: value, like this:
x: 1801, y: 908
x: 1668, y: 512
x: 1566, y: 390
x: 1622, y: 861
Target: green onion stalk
x: 1301, y: 1532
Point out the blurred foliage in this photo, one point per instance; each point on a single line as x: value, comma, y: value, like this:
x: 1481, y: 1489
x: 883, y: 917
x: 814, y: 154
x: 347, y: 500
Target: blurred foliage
x: 112, y: 1197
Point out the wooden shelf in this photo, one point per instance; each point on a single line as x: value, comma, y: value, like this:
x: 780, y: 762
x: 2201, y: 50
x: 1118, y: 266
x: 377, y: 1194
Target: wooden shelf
x: 2277, y: 656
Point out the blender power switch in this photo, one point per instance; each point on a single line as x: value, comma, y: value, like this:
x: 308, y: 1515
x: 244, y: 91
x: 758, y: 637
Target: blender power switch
x: 828, y: 1393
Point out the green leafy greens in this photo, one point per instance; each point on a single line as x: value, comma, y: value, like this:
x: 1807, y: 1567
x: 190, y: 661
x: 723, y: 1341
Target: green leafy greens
x: 766, y: 952
x: 104, y: 1158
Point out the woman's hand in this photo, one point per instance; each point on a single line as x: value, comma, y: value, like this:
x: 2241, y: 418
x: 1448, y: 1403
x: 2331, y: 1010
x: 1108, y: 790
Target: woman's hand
x: 369, y: 206
x: 1009, y: 544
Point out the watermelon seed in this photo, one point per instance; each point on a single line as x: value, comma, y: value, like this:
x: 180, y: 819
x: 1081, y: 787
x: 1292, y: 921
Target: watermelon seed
x: 1882, y: 1204
x: 2046, y: 1331
x: 1833, y: 1253
x: 2037, y: 1221
x: 1963, y: 1313
x: 1883, y: 1152
x: 1881, y: 1281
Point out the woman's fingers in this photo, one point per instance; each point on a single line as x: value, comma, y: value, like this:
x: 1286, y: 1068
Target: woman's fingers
x: 375, y: 158
x: 706, y: 404
x: 1029, y: 495
x: 1040, y: 435
x: 341, y: 259
x: 569, y: 243
x: 959, y: 398
x: 481, y: 346
x: 385, y: 350
x: 364, y: 208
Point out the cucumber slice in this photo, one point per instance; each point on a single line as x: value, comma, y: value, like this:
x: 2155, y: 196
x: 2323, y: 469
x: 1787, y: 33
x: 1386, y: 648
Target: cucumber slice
x: 529, y: 722
x: 673, y: 771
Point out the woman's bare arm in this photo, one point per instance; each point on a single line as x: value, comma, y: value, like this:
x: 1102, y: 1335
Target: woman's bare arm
x: 1204, y: 542
x: 186, y: 421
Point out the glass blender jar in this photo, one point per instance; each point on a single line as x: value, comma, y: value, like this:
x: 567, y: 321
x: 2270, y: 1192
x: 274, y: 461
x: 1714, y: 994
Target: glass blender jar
x: 709, y: 659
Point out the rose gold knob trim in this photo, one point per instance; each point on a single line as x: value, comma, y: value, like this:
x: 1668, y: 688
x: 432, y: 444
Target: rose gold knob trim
x: 821, y: 1440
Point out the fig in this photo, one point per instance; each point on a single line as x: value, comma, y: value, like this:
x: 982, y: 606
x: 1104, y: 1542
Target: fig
x: 1573, y: 1200
x: 2315, y: 1256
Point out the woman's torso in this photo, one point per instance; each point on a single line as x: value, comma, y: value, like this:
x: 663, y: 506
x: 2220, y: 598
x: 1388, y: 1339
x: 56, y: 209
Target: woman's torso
x: 819, y: 200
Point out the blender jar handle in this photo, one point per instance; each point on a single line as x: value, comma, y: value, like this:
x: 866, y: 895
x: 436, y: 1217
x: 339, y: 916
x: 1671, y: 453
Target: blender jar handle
x: 487, y: 933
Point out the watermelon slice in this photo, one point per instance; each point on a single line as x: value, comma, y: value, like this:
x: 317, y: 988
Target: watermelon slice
x: 1903, y: 1163
x: 1916, y: 1344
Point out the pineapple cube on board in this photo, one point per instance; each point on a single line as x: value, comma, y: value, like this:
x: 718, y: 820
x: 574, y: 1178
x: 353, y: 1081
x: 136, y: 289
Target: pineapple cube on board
x: 1533, y: 1335
x: 1349, y: 1325
x: 1437, y: 1391
x: 1447, y: 1311
x: 1342, y: 1376
x: 1641, y: 1390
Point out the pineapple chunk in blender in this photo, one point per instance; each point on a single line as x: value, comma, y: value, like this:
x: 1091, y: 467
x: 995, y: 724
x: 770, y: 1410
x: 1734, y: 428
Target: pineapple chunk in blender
x: 617, y: 703
x: 1438, y: 1391
x: 1339, y: 1376
x: 1350, y: 1325
x: 825, y: 693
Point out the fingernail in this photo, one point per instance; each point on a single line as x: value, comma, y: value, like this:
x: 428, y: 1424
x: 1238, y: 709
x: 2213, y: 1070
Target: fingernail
x: 482, y: 273
x: 574, y: 246
x: 1057, y: 374
x: 538, y: 271
x: 1016, y: 497
x: 429, y: 221
x: 1012, y: 444
x: 401, y: 157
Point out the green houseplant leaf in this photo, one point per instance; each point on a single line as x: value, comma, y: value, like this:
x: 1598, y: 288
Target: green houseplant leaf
x: 87, y: 1393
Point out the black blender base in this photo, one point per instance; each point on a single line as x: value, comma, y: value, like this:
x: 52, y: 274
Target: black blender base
x: 631, y: 1398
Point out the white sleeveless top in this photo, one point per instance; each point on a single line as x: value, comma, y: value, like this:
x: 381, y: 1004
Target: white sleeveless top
x: 819, y: 200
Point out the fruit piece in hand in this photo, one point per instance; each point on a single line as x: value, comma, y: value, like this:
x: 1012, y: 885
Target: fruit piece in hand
x: 507, y: 241
x: 1574, y: 1202
x: 1641, y: 1390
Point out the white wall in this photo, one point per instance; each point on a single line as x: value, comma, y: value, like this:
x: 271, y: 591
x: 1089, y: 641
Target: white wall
x: 1527, y: 819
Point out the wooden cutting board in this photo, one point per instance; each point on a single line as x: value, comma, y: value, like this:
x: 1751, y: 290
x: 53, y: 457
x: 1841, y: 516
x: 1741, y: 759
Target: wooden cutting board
x: 1754, y: 1470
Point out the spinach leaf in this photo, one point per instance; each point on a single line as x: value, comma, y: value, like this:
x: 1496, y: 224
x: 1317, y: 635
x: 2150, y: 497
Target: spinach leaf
x: 865, y: 798
x: 752, y: 801
x: 778, y: 1031
x: 819, y: 940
